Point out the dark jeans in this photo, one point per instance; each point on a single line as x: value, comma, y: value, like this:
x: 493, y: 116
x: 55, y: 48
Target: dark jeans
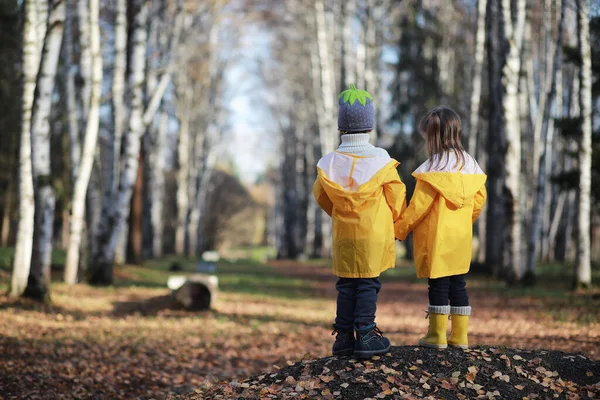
x: 448, y: 288
x: 356, y: 302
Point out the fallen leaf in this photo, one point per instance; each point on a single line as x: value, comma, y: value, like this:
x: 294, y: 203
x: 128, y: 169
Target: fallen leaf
x: 517, y: 357
x: 519, y: 387
x: 447, y: 385
x: 345, y: 385
x: 471, y: 376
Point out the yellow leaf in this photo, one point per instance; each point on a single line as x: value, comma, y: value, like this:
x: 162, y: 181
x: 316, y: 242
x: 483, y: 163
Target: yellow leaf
x: 589, y: 373
x: 519, y: 387
x: 517, y: 357
x: 413, y: 368
x: 345, y: 385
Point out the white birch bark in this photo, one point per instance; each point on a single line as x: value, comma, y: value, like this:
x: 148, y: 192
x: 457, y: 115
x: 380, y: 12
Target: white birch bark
x: 89, y: 147
x: 550, y: 86
x: 45, y: 196
x: 85, y: 56
x: 119, y: 111
x: 70, y: 73
x: 118, y: 88
x: 570, y: 220
x: 41, y: 27
x: 183, y: 167
x: 372, y: 59
x: 114, y: 223
x: 477, y: 72
x: 511, y: 73
x: 327, y: 86
x: 552, y: 167
x: 583, y: 271
x: 349, y: 50
x: 157, y: 183
x: 24, y: 239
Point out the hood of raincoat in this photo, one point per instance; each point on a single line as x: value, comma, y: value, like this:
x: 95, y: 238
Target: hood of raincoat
x: 457, y: 184
x: 351, y: 181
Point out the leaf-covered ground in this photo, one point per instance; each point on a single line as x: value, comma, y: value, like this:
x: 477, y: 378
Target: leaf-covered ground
x: 131, y: 341
x: 410, y: 372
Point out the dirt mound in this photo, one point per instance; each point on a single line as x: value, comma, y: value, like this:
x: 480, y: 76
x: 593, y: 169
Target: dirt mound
x: 410, y: 372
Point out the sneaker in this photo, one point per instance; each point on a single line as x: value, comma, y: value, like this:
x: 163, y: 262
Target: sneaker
x: 370, y: 341
x: 344, y: 342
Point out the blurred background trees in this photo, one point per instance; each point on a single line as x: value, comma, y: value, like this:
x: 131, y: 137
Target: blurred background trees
x: 137, y: 128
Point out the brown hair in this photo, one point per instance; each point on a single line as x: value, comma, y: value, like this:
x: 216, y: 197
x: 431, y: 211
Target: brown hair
x: 442, y: 132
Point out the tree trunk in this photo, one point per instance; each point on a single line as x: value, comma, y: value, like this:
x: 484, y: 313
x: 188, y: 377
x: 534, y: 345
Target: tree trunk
x: 157, y: 184
x: 327, y: 128
x: 348, y: 60
x: 6, y: 215
x: 183, y: 164
x: 546, y: 100
x: 496, y: 212
x: 512, y: 161
x: 71, y: 95
x: 135, y: 218
x: 473, y: 126
x: 114, y: 222
x: 583, y: 271
x: 85, y: 55
x: 24, y: 240
x: 118, y: 89
x: 45, y: 198
x: 114, y: 151
x: 89, y: 149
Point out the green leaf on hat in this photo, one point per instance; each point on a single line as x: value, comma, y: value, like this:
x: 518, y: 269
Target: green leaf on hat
x: 353, y: 94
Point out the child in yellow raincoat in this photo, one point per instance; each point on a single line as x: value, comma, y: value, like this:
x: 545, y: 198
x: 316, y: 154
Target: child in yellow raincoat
x: 358, y: 186
x: 448, y: 198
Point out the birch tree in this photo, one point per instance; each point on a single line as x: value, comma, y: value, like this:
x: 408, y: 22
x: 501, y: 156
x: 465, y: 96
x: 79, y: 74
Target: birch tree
x: 545, y: 106
x: 117, y: 209
x: 326, y: 114
x: 184, y: 104
x: 45, y: 197
x: 89, y: 147
x: 583, y: 271
x: 24, y: 241
x: 477, y: 72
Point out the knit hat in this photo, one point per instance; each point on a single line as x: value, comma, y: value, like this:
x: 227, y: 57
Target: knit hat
x: 353, y: 115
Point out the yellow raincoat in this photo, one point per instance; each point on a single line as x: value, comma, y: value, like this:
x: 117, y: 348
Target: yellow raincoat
x: 363, y: 196
x: 444, y: 206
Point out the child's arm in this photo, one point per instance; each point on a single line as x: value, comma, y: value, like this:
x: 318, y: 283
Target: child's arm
x: 322, y: 198
x: 394, y: 191
x: 479, y: 201
x: 420, y: 204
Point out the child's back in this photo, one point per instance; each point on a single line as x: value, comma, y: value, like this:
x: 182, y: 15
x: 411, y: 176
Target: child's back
x: 364, y: 196
x: 359, y: 187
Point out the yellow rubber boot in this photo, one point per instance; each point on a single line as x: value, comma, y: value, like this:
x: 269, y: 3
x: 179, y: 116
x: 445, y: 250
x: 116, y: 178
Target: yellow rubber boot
x: 460, y: 327
x: 438, y: 327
